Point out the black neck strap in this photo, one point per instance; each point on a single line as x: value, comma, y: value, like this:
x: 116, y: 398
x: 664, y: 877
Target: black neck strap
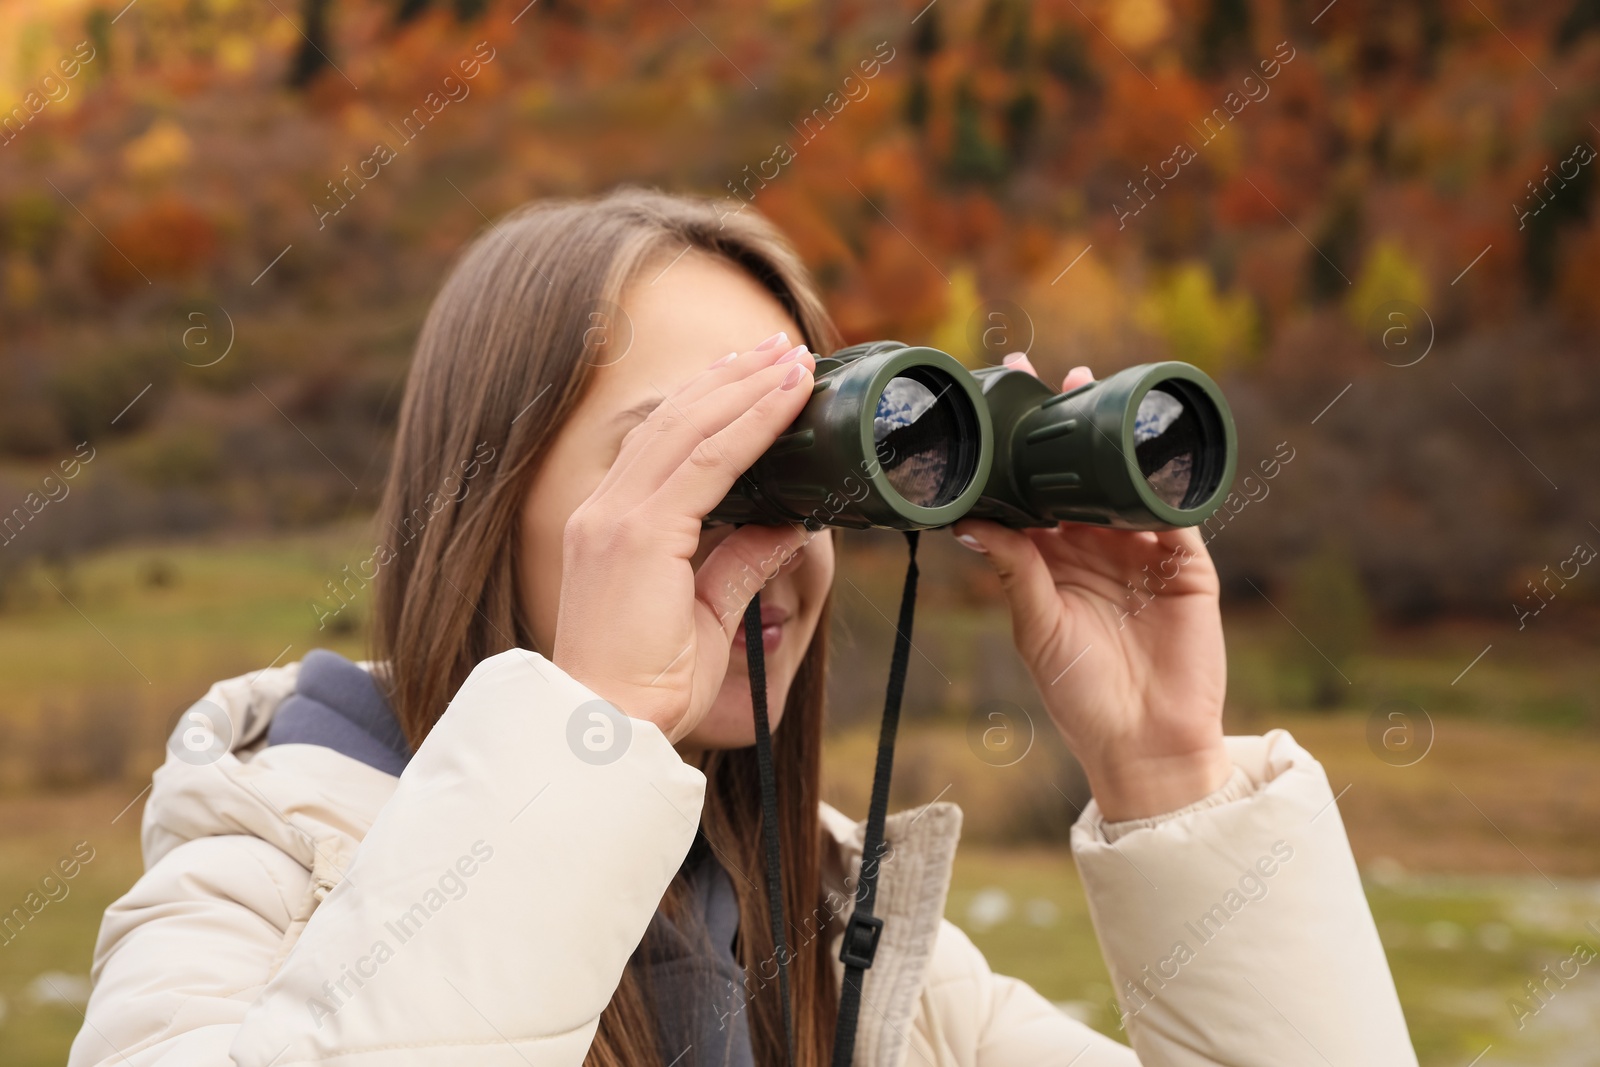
x: 755, y: 658
x: 863, y: 929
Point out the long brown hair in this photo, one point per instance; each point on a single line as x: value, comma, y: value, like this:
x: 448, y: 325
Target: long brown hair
x: 503, y: 358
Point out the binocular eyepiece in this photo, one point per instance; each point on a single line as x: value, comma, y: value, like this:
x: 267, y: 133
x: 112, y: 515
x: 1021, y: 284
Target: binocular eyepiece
x: 906, y: 438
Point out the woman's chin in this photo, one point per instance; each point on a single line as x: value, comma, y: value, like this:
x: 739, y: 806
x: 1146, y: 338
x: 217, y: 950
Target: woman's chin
x: 730, y: 723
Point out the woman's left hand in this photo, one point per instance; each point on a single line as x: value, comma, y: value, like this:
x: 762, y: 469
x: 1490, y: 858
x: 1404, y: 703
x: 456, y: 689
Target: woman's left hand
x: 1122, y: 633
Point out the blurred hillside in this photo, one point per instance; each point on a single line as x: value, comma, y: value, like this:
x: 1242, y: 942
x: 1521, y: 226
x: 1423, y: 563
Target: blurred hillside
x: 221, y: 224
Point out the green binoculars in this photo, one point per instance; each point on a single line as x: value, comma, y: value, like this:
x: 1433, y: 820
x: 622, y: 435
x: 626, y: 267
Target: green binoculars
x: 906, y: 438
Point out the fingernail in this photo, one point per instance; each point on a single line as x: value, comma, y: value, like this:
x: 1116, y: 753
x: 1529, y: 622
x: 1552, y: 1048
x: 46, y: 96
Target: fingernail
x: 1014, y: 358
x: 972, y: 543
x: 725, y: 360
x: 793, y: 354
x: 792, y: 379
x: 1085, y: 370
x: 773, y: 342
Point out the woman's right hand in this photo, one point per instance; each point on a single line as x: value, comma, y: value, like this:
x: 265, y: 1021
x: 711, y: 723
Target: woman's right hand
x: 637, y: 623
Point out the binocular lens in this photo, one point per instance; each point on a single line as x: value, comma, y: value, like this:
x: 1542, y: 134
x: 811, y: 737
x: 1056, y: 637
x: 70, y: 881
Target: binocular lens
x: 1167, y: 439
x: 922, y: 438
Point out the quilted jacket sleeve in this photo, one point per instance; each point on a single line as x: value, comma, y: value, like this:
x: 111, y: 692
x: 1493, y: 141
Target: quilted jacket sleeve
x: 519, y: 820
x: 186, y: 951
x: 1237, y: 932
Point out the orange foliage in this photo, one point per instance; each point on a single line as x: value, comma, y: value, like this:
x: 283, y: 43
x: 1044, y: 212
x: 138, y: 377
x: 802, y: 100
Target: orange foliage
x: 168, y: 238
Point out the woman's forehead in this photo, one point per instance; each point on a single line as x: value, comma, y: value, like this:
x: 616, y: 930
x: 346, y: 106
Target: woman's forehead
x: 682, y: 319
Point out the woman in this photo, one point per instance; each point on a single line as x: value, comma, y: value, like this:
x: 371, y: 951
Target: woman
x: 530, y: 833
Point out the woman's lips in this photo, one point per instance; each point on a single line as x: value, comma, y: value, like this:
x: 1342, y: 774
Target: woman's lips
x: 772, y: 620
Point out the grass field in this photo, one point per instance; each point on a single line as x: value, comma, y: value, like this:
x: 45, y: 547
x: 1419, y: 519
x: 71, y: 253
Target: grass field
x: 1481, y: 858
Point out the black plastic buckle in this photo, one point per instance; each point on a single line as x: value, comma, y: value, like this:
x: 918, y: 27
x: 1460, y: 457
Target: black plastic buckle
x: 861, y: 941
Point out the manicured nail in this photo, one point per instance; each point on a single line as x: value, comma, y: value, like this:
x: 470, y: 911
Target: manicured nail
x: 972, y: 543
x: 1014, y: 358
x: 725, y: 360
x: 773, y: 342
x: 793, y: 354
x: 792, y: 379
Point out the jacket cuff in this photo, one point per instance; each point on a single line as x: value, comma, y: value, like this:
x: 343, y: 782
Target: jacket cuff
x: 1237, y: 787
x: 1257, y: 761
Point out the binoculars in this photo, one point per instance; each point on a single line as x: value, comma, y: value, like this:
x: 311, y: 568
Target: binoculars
x: 906, y: 438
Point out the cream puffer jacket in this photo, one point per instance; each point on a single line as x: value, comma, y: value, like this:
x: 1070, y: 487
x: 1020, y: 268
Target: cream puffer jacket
x: 300, y: 906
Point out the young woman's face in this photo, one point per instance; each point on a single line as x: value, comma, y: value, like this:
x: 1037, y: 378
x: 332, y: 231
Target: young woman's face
x: 698, y: 310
